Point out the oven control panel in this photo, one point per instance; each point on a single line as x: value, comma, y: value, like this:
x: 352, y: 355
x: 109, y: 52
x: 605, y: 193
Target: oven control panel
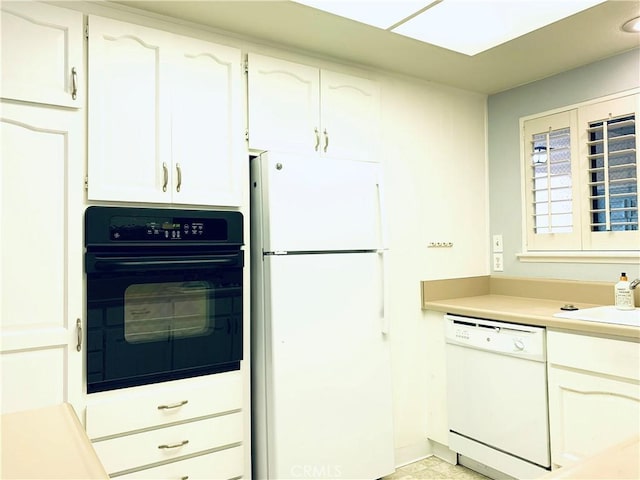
x: 157, y: 226
x: 170, y: 229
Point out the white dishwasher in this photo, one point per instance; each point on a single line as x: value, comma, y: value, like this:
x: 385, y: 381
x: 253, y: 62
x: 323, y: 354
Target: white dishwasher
x: 497, y: 395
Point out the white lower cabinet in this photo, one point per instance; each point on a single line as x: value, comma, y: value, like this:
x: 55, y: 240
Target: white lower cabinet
x: 189, y: 428
x: 594, y: 394
x: 169, y: 443
x: 225, y: 464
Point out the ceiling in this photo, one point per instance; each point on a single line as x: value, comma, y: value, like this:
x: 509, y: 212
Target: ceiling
x: 578, y: 40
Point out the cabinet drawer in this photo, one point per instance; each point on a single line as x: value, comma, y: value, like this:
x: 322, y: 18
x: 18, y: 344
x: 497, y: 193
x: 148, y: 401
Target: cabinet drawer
x: 595, y: 354
x: 154, y: 405
x: 225, y: 464
x: 139, y: 449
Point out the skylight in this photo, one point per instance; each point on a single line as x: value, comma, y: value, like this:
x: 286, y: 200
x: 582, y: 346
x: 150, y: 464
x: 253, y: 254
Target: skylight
x: 465, y: 26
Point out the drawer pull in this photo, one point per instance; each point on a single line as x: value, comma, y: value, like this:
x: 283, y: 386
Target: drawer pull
x: 186, y: 477
x: 173, y: 405
x: 175, y: 445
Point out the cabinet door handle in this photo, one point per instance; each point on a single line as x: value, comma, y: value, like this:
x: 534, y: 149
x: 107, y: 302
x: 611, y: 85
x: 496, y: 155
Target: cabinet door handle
x: 326, y: 140
x: 175, y: 445
x: 79, y: 332
x: 315, y: 130
x: 179, y: 170
x: 74, y: 83
x: 173, y: 405
x: 165, y: 172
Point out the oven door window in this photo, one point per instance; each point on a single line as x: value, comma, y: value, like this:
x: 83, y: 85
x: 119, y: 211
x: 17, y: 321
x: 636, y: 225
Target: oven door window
x: 155, y: 326
x: 155, y: 312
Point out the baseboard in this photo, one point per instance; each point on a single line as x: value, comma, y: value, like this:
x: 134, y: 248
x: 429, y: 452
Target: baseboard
x: 412, y: 453
x: 443, y: 452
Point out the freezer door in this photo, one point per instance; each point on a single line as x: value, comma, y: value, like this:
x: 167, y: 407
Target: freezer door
x: 322, y: 204
x: 327, y: 367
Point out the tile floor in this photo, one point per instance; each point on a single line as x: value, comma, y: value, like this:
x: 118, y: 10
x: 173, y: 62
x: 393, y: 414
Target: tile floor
x: 433, y: 468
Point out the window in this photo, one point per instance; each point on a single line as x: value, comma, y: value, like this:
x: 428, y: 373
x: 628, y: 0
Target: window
x: 581, y: 178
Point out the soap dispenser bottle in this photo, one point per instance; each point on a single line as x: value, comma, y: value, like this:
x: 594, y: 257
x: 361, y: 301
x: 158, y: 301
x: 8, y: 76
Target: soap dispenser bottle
x: 623, y: 294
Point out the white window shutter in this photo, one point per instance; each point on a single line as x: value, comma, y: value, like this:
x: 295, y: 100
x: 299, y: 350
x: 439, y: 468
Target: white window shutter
x: 551, y: 180
x: 610, y: 173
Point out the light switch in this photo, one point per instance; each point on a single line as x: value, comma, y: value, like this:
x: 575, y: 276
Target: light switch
x: 497, y: 243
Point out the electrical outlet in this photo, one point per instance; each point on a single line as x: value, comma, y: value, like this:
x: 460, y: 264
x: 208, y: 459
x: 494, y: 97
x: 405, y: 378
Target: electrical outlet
x: 497, y: 262
x: 497, y: 243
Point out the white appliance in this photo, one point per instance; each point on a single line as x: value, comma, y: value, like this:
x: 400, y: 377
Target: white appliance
x: 497, y: 395
x: 320, y: 353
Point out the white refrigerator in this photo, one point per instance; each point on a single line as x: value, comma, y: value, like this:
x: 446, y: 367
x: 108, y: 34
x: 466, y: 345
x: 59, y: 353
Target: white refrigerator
x: 321, y: 375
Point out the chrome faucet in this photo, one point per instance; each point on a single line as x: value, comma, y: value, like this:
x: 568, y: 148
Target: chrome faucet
x: 634, y: 284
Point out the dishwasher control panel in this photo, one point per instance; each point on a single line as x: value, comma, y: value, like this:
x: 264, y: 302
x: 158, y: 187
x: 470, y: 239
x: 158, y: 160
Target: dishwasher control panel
x: 524, y: 341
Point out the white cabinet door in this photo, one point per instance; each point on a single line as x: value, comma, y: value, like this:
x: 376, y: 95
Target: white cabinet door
x: 350, y: 116
x: 206, y: 123
x: 594, y: 394
x: 129, y: 122
x: 41, y: 50
x: 40, y: 246
x: 284, y: 105
x: 589, y: 413
x: 302, y: 109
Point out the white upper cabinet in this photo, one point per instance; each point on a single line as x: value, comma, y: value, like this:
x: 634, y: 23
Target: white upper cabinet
x: 208, y: 147
x: 41, y: 54
x: 349, y: 112
x: 164, y: 117
x: 284, y: 105
x: 302, y: 109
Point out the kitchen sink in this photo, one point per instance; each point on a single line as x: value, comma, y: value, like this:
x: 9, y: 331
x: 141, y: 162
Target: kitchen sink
x: 604, y: 314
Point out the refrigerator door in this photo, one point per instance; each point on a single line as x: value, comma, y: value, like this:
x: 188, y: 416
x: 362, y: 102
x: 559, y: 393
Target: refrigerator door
x: 318, y: 204
x: 329, y: 411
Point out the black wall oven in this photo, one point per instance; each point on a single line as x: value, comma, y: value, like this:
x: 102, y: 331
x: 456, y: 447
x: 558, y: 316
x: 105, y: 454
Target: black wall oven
x: 164, y: 294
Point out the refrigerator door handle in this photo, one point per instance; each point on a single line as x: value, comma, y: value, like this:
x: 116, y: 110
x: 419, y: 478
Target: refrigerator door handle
x: 381, y: 213
x: 384, y: 307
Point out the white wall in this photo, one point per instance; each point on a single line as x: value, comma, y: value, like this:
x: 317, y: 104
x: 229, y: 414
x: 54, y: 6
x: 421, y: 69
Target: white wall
x: 434, y: 158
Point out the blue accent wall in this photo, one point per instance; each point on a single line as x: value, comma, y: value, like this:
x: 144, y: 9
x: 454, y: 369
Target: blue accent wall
x: 605, y: 77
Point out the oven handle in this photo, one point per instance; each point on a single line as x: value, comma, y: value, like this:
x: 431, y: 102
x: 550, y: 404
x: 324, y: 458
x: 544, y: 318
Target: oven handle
x: 166, y: 263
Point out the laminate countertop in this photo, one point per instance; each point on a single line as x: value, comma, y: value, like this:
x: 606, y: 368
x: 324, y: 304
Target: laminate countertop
x: 47, y: 443
x: 618, y: 462
x: 525, y: 301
